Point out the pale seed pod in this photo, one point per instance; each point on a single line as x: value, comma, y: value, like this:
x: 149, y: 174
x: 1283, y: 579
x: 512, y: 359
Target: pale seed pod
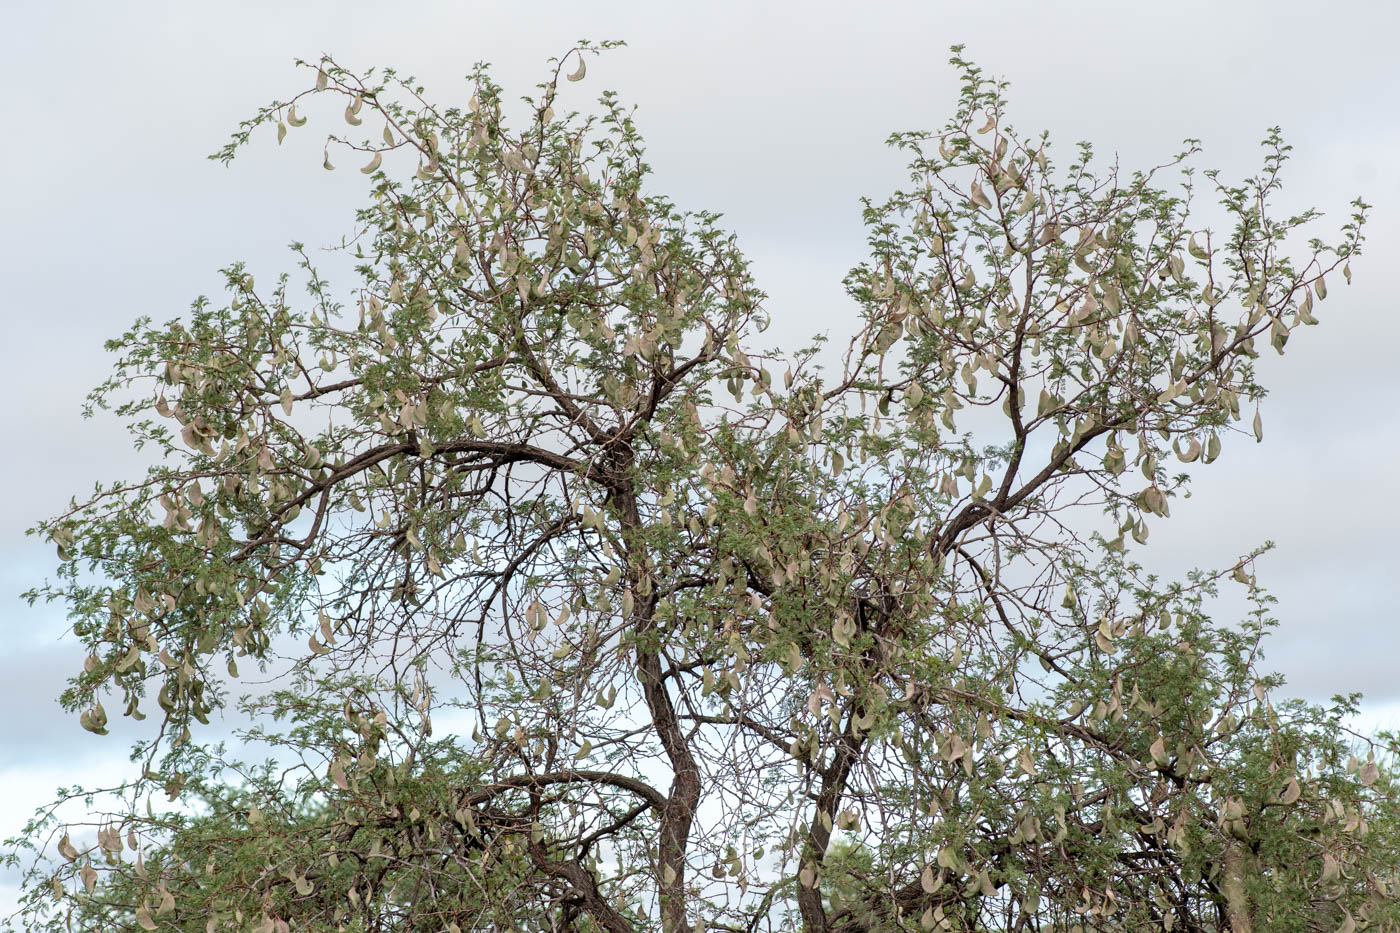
x: 979, y: 197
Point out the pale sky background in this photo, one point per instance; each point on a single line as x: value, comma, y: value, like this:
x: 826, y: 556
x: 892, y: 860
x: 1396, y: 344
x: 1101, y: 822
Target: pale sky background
x: 772, y: 113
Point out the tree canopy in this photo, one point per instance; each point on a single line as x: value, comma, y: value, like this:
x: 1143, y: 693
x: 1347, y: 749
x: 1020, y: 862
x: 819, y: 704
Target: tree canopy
x: 831, y: 639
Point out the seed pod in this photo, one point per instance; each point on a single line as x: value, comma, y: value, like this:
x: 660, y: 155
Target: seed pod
x: 979, y: 197
x: 67, y: 850
x: 1193, y: 450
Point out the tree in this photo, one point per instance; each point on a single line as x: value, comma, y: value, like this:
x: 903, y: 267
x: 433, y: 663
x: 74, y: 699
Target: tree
x: 813, y: 658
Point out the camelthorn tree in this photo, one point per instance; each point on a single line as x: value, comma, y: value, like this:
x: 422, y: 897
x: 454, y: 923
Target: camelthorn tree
x: 735, y: 638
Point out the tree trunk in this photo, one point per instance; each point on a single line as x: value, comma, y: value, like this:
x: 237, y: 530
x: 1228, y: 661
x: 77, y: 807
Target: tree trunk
x: 1232, y: 884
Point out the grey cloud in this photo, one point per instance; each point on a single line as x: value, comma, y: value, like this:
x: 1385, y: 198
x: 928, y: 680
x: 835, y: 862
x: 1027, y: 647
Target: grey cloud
x: 32, y: 677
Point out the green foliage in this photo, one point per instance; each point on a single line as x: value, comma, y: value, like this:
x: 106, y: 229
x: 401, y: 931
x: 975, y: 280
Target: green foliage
x: 812, y: 657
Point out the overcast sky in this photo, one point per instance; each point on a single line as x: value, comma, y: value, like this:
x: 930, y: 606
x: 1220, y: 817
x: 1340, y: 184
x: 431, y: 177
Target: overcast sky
x: 774, y: 114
